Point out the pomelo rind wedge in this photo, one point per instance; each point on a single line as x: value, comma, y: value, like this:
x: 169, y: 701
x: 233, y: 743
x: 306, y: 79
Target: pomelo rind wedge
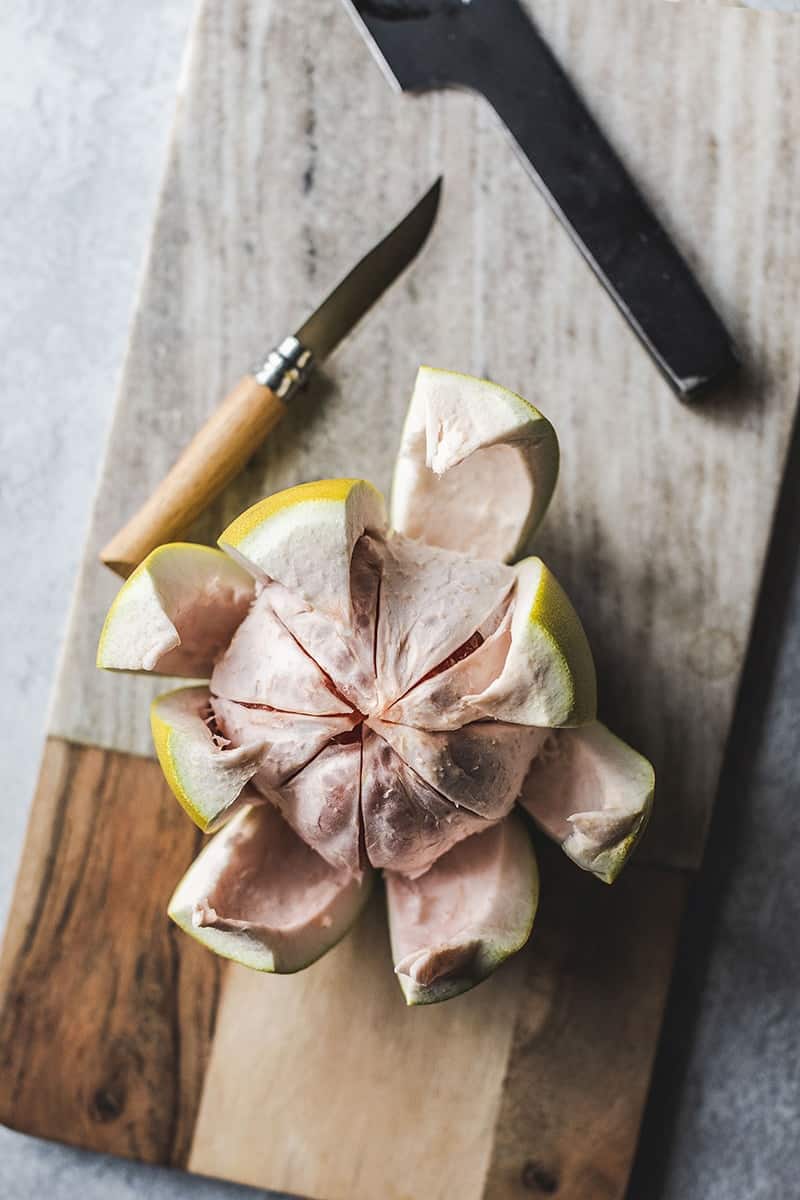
x: 206, y: 781
x: 476, y: 468
x: 176, y: 612
x: 500, y: 879
x: 303, y: 909
x: 592, y: 794
x: 304, y: 538
x: 548, y: 678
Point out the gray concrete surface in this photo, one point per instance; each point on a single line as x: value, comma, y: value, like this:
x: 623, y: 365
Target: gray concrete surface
x: 86, y: 99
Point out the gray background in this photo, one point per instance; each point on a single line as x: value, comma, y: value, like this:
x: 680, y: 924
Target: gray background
x: 87, y: 94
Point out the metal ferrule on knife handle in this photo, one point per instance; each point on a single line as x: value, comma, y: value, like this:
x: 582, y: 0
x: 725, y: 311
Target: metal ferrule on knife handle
x: 286, y: 369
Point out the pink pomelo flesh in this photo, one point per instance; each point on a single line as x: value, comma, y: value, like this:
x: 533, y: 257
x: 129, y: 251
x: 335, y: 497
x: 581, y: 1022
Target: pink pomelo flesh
x: 407, y: 823
x: 322, y: 804
x: 264, y: 664
x: 404, y: 795
x: 383, y: 700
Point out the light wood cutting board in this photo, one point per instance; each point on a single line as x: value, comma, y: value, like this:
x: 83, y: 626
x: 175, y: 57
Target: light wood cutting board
x: 290, y: 157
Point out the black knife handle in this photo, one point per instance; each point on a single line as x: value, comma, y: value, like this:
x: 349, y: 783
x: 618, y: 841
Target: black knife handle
x: 594, y: 196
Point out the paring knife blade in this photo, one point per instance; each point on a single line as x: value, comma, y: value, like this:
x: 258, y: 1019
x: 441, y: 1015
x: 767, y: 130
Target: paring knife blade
x: 492, y: 47
x: 236, y: 429
x: 358, y: 291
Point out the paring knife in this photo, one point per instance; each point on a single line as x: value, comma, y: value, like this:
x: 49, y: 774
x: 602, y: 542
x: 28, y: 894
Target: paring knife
x: 492, y: 47
x: 235, y: 430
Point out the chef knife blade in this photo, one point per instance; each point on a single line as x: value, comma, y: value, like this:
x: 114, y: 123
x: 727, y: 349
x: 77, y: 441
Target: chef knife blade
x: 492, y: 47
x: 235, y: 430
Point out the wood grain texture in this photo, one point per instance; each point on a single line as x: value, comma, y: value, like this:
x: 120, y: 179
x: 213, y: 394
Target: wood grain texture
x: 579, y: 1066
x: 279, y: 178
x: 539, y: 1074
x: 215, y: 456
x: 106, y: 1009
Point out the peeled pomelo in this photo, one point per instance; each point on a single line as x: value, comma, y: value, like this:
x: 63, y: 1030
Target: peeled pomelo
x: 463, y: 918
x: 176, y: 612
x: 381, y: 700
x: 476, y: 468
x: 591, y: 793
x: 259, y: 895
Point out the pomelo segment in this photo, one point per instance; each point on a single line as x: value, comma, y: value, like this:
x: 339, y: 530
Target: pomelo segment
x: 290, y: 740
x: 407, y: 824
x: 480, y: 767
x: 345, y: 652
x: 476, y: 468
x: 206, y: 779
x: 431, y: 602
x: 473, y: 909
x: 592, y: 794
x: 264, y: 664
x: 445, y: 700
x: 304, y: 538
x: 548, y: 678
x: 176, y: 613
x: 260, y: 896
x: 322, y: 804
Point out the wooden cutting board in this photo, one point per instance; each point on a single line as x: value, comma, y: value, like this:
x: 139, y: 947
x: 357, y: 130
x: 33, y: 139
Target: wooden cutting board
x: 290, y: 157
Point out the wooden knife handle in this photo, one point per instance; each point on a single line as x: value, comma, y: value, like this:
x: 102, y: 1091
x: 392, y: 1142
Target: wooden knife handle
x: 211, y: 460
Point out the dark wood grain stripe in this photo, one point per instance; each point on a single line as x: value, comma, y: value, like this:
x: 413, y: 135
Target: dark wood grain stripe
x: 106, y: 1010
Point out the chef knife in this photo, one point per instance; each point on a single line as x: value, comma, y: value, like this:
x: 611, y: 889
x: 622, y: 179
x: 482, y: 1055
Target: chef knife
x: 492, y: 47
x: 236, y: 429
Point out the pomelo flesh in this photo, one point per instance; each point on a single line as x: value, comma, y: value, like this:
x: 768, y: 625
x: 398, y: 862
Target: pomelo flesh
x: 344, y: 649
x: 480, y: 767
x: 290, y: 740
x: 322, y: 803
x: 408, y: 825
x: 445, y: 699
x: 432, y: 601
x: 264, y: 664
